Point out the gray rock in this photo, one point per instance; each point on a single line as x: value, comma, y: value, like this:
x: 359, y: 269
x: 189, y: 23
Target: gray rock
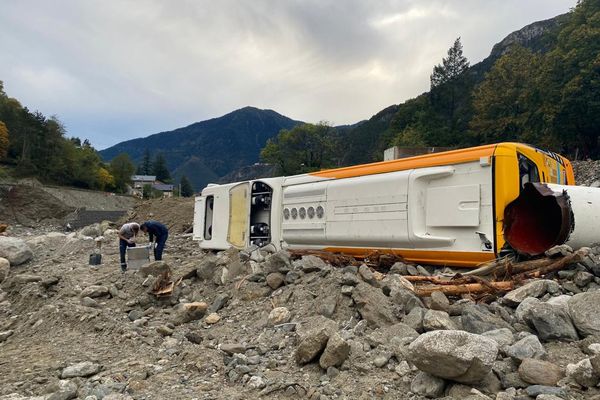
x: 399, y: 268
x: 313, y: 336
x: 277, y: 262
x: 187, y: 312
x: 311, y: 263
x: 422, y: 271
x: 135, y: 315
x: 5, y: 335
x: 63, y: 390
x: 456, y: 355
x: 275, y: 280
x: 427, y: 385
x: 373, y: 305
x: 232, y: 348
x: 349, y: 279
x: 15, y: 250
x: 218, y: 303
x: 523, y: 311
x: 164, y: 330
x: 383, y: 335
x: 328, y: 306
x: 381, y: 360
x: 256, y: 382
x: 89, y: 302
x: 293, y: 276
x: 439, y: 301
x: 94, y: 291
x: 436, y: 320
x: 503, y: 336
x: 512, y: 380
x: 91, y: 231
x: 477, y: 319
x: 155, y: 268
x: 583, y: 373
x: 366, y: 274
x: 540, y: 372
x: 4, y: 269
x: 552, y: 322
x: 206, y: 269
x: 535, y: 288
x: 563, y: 250
x: 583, y: 278
x: 583, y: 309
x: 414, y: 318
x: 335, y: 353
x: 405, y: 298
x: 82, y: 369
x: 528, y: 347
x: 536, y: 390
x: 279, y: 315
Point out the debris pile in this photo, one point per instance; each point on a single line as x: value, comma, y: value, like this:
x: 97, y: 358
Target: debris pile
x: 234, y: 325
x: 587, y: 173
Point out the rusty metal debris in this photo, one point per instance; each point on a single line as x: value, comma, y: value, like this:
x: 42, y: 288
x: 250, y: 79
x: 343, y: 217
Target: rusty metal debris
x: 164, y: 285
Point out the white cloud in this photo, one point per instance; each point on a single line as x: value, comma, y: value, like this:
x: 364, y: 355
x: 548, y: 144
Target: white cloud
x: 113, y: 70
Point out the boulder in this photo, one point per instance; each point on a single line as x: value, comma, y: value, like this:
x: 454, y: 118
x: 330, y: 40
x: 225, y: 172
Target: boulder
x: 335, y: 353
x: 535, y: 288
x: 187, y: 312
x: 583, y: 373
x: 383, y: 335
x: 427, y: 385
x: 373, y: 305
x: 206, y: 269
x: 94, y: 291
x: 503, y: 336
x: 82, y: 369
x: 275, y: 280
x: 457, y: 355
x: 528, y: 347
x: 155, y: 268
x: 277, y: 262
x: 439, y: 301
x: 552, y: 322
x: 437, y: 320
x: 313, y: 336
x: 15, y: 250
x: 4, y: 269
x: 538, y: 372
x: 279, y: 315
x: 414, y: 318
x: 477, y: 319
x: 583, y: 309
x: 93, y: 230
x: 310, y: 264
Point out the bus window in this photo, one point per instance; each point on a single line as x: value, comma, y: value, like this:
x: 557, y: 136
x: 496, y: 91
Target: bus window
x: 208, y: 219
x: 528, y: 171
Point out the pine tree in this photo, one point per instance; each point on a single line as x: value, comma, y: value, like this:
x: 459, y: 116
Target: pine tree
x: 159, y: 168
x: 187, y: 190
x: 451, y: 66
x: 145, y: 167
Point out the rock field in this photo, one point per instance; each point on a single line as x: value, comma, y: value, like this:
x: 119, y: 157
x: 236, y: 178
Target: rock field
x: 280, y: 327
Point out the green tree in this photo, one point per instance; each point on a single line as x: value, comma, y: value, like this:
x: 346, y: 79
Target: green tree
x: 187, y: 189
x: 304, y: 148
x: 159, y: 168
x: 451, y: 67
x: 121, y: 168
x: 506, y: 103
x: 3, y: 140
x: 145, y: 166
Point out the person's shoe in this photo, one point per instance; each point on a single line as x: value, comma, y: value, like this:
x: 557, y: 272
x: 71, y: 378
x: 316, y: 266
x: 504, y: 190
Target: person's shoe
x: 123, y: 269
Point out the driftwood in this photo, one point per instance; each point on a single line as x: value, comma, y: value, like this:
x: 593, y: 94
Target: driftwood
x: 469, y: 288
x: 576, y: 257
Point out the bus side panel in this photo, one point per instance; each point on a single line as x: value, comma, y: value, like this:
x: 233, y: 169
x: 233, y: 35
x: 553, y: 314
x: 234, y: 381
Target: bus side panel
x: 199, y: 217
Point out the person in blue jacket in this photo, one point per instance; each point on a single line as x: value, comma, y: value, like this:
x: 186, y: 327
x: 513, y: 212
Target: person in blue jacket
x: 156, y: 232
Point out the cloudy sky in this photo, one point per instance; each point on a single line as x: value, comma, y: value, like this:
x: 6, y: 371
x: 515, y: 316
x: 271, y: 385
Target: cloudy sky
x: 113, y: 70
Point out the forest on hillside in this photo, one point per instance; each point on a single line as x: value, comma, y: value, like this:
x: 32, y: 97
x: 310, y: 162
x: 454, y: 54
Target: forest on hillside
x: 547, y: 95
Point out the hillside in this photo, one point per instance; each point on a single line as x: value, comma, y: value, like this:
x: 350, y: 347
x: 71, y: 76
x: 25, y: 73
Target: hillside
x: 377, y: 133
x: 208, y: 150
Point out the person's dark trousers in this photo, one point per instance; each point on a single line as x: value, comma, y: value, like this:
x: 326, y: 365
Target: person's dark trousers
x: 160, y: 246
x: 123, y: 245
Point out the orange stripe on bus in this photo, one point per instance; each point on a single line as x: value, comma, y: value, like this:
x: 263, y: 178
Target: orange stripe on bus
x: 454, y: 258
x: 428, y: 160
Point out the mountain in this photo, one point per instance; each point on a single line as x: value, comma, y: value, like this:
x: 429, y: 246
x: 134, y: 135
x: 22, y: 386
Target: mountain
x: 208, y: 150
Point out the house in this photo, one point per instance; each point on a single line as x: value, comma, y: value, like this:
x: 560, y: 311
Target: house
x: 165, y: 188
x: 138, y: 183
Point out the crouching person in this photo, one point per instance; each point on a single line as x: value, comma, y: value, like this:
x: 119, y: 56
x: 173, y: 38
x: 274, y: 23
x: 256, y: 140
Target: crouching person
x: 156, y: 232
x: 126, y: 235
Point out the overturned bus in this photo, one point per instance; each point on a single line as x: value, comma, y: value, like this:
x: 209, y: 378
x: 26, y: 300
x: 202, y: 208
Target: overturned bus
x: 458, y: 208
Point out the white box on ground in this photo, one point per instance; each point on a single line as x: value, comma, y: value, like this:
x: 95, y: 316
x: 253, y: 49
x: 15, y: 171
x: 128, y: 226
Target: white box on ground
x: 137, y: 256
